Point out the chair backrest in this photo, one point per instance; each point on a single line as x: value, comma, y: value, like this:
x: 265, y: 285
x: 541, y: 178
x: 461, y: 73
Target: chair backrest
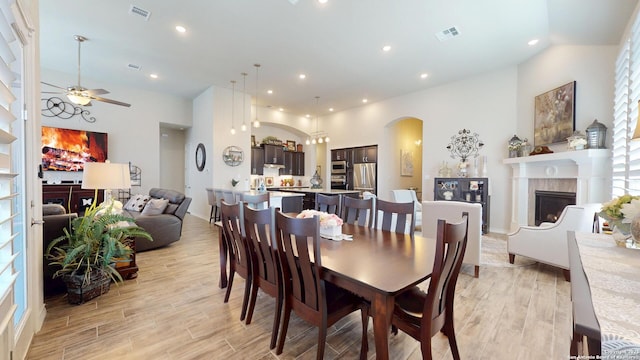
x: 211, y: 197
x: 451, y: 242
x: 329, y: 203
x: 219, y: 196
x: 397, y: 217
x: 305, y: 285
x: 233, y: 230
x: 256, y: 201
x: 229, y: 197
x: 358, y: 211
x: 259, y: 227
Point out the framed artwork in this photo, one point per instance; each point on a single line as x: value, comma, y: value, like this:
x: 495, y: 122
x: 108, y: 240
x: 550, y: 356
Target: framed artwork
x: 555, y: 115
x: 291, y: 145
x: 268, y: 181
x: 406, y: 163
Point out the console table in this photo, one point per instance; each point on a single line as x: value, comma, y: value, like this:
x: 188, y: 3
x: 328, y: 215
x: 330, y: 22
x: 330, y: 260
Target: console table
x: 71, y: 196
x: 605, y: 296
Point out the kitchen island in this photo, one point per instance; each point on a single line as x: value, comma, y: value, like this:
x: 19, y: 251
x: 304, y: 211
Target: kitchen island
x: 309, y: 200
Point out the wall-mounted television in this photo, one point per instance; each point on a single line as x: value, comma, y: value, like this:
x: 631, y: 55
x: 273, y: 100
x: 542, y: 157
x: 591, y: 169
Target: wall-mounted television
x: 69, y: 150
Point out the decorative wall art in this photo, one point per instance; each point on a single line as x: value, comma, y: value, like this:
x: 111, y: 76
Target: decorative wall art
x: 291, y: 145
x: 555, y: 115
x: 406, y: 161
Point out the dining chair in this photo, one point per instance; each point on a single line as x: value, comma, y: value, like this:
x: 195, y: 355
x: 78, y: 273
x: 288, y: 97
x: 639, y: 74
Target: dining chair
x: 422, y: 315
x: 358, y: 211
x: 397, y: 217
x: 329, y: 203
x: 229, y: 197
x: 239, y: 254
x: 305, y: 292
x: 260, y: 232
x: 211, y: 198
x: 256, y: 201
x: 407, y: 195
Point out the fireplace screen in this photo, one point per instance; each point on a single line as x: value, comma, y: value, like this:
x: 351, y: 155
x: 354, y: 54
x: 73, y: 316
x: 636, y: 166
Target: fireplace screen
x: 549, y: 205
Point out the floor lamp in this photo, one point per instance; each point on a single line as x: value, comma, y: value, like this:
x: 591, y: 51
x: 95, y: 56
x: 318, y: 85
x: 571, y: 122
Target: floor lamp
x: 105, y: 176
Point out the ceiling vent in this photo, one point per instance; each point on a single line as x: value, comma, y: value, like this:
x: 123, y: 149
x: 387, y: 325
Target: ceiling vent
x: 133, y: 67
x: 134, y: 10
x: 448, y: 34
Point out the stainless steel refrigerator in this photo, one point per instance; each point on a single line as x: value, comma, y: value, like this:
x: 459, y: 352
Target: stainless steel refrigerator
x: 364, y: 177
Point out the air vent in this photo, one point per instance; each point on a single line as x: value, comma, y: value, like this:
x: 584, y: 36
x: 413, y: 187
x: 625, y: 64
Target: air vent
x: 134, y: 10
x: 448, y: 34
x: 133, y: 67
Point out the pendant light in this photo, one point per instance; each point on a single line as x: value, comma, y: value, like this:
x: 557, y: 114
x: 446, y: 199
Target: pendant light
x: 256, y: 122
x: 244, y: 96
x: 318, y: 137
x: 233, y: 93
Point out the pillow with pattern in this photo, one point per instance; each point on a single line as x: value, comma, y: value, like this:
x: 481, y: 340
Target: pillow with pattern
x: 137, y: 203
x: 155, y: 207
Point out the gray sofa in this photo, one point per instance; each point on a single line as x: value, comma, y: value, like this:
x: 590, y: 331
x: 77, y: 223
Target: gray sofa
x: 164, y: 228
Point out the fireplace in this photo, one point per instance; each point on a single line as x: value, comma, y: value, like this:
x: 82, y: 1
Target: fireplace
x: 549, y: 205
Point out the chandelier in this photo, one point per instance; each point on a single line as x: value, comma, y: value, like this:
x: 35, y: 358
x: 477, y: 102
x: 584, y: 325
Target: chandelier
x: 317, y: 137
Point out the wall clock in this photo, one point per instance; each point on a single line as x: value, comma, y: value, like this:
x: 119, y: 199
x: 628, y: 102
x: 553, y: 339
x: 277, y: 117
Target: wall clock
x: 232, y: 155
x: 201, y: 157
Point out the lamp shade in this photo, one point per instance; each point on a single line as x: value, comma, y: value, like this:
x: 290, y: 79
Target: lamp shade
x: 106, y: 176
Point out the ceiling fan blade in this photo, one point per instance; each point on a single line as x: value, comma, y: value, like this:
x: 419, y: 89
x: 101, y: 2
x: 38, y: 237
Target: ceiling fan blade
x: 96, y: 92
x: 115, y: 102
x: 52, y: 92
x: 55, y: 86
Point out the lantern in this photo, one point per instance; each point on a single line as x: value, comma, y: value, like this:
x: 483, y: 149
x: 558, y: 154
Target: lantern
x: 596, y: 133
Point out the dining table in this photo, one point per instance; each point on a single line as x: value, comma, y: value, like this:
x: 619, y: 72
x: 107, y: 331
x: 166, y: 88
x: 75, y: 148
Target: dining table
x: 375, y: 264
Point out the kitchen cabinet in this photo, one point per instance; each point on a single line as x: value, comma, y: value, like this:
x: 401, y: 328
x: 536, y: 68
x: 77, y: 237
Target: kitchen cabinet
x: 338, y: 154
x: 472, y: 190
x: 367, y: 154
x: 273, y: 154
x: 257, y: 161
x: 293, y: 164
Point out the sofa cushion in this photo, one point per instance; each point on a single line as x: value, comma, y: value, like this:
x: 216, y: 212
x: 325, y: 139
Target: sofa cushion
x: 173, y: 196
x: 137, y: 203
x: 171, y: 209
x: 155, y: 207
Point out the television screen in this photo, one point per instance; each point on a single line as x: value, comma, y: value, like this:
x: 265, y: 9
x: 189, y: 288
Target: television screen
x: 68, y: 150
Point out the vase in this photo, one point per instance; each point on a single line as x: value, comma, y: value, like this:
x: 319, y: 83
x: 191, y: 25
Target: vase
x: 635, y: 232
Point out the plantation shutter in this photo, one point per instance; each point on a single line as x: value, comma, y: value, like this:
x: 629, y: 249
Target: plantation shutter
x: 626, y: 153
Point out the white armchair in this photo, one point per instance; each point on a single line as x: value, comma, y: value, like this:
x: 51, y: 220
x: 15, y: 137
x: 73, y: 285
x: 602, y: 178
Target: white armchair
x: 405, y: 196
x: 452, y: 211
x: 547, y: 243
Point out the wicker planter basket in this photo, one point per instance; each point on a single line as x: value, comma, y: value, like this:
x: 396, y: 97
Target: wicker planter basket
x: 77, y: 292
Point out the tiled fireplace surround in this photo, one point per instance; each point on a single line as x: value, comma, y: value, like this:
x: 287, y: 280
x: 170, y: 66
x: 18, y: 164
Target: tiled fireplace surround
x: 583, y: 172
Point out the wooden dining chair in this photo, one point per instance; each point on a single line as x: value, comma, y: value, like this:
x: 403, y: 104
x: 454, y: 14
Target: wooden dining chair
x: 317, y: 302
x: 329, y: 203
x: 396, y: 217
x: 422, y: 315
x: 256, y: 201
x: 358, y: 211
x: 239, y: 254
x: 260, y: 232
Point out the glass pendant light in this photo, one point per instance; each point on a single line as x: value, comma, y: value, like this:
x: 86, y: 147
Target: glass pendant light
x: 233, y: 93
x: 244, y: 95
x: 256, y: 122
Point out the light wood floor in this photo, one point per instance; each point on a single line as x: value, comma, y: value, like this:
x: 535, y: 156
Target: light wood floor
x: 175, y: 310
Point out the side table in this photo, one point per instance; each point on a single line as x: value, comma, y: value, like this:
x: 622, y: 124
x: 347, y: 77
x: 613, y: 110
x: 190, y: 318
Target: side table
x: 127, y: 268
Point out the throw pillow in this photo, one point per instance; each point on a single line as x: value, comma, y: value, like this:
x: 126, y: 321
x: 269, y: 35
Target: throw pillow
x: 155, y: 207
x: 137, y: 203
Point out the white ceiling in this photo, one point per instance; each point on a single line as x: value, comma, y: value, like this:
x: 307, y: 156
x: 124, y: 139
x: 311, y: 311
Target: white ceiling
x: 337, y: 44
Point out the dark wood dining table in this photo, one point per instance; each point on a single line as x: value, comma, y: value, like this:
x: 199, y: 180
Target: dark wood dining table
x: 376, y: 265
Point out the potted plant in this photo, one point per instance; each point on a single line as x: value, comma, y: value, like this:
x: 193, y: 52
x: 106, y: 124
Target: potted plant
x: 87, y: 254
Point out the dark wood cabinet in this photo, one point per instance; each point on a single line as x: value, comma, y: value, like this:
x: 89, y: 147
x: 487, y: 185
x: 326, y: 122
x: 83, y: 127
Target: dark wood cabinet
x: 257, y: 161
x: 474, y: 190
x: 71, y: 196
x: 338, y: 154
x: 367, y: 154
x: 288, y: 164
x: 293, y: 163
x: 273, y: 154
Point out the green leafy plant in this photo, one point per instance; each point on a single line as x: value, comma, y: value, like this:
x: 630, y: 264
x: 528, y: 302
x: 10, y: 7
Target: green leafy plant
x: 95, y: 241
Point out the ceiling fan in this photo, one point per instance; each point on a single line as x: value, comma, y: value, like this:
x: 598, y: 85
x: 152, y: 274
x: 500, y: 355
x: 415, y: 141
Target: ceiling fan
x: 79, y: 95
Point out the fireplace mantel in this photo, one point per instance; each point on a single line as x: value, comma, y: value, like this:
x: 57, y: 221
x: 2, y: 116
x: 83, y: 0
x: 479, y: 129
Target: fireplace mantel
x: 589, y: 167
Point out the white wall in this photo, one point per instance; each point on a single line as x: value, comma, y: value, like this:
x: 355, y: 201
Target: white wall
x: 172, y: 153
x: 134, y: 131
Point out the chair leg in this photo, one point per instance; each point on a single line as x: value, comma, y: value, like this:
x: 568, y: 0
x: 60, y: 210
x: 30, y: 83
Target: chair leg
x: 276, y: 321
x: 285, y: 326
x: 245, y: 299
x: 451, y: 335
x: 252, y: 301
x: 364, y: 348
x: 211, y: 214
x: 322, y: 340
x: 229, y: 285
x: 512, y: 257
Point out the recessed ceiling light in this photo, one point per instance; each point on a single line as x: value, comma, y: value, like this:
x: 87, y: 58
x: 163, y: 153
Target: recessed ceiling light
x: 269, y: 91
x: 153, y: 76
x: 281, y: 109
x: 180, y: 29
x: 307, y: 116
x: 365, y: 100
x: 302, y: 76
x: 323, y: 1
x: 424, y: 75
x: 330, y: 109
x: 533, y: 42
x: 386, y: 48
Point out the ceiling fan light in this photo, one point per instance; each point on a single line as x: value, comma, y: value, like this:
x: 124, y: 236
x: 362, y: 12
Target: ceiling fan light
x: 78, y: 100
